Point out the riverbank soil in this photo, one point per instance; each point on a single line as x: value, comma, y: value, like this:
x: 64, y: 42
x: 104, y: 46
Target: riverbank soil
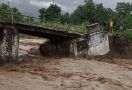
x: 35, y: 72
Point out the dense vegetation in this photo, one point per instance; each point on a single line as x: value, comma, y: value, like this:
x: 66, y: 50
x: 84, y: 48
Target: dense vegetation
x: 83, y: 15
x: 90, y: 13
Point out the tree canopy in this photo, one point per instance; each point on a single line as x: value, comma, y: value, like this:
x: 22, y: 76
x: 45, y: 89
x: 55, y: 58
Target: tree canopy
x: 52, y: 13
x: 89, y: 12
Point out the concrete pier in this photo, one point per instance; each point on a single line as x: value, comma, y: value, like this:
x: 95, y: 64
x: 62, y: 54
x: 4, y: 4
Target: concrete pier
x: 53, y: 48
x: 9, y: 43
x: 61, y: 48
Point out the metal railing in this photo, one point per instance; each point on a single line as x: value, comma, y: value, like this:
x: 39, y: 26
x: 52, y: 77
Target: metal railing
x: 19, y: 18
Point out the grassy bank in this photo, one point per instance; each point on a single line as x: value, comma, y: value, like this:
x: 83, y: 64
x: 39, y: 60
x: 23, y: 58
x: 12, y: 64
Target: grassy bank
x: 127, y: 33
x: 71, y: 28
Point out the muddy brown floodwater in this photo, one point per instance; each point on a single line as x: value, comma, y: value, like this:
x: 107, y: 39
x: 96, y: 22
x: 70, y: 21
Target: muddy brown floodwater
x: 39, y: 73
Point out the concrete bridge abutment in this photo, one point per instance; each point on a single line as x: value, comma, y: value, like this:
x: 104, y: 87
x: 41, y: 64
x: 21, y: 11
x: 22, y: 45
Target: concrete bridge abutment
x: 9, y: 43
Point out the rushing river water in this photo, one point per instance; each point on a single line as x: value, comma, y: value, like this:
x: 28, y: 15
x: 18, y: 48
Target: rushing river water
x: 26, y: 45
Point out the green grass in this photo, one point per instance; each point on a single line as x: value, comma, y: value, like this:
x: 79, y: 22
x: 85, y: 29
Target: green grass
x: 126, y: 33
x: 70, y: 28
x: 78, y: 29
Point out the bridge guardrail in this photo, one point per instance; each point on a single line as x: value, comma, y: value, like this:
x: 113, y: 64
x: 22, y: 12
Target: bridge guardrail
x: 15, y: 18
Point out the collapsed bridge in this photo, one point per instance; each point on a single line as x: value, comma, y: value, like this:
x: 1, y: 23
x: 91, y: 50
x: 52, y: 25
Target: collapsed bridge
x: 60, y: 43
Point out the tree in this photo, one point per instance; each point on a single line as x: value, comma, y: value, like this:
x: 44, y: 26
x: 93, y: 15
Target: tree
x: 128, y: 21
x: 5, y: 8
x: 78, y: 15
x: 84, y: 13
x: 100, y: 13
x: 123, y: 9
x: 17, y: 14
x: 65, y: 18
x: 7, y: 12
x: 89, y: 10
x: 53, y: 13
x: 42, y: 13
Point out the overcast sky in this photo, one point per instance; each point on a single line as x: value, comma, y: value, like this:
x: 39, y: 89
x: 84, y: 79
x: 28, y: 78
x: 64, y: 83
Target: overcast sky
x: 30, y: 7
